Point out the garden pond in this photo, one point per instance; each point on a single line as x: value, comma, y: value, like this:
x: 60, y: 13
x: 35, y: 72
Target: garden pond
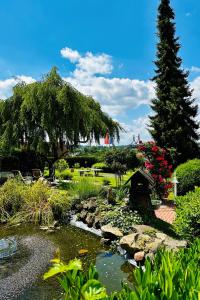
x: 112, y: 268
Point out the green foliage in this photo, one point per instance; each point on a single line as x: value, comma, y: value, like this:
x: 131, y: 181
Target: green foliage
x: 85, y: 189
x: 85, y: 161
x: 76, y: 165
x: 123, y: 218
x: 99, y: 165
x: 11, y: 198
x: 188, y: 175
x: 37, y: 203
x: 61, y: 165
x: 173, y: 124
x: 51, y: 108
x: 124, y: 159
x: 76, y: 284
x: 187, y: 223
x: 63, y: 175
x: 172, y: 276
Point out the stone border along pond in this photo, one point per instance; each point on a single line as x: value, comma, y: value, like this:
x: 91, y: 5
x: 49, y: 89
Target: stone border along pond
x: 143, y: 241
x: 13, y: 285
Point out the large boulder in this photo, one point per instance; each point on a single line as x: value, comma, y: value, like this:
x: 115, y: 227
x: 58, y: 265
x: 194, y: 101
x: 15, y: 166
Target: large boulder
x: 110, y: 232
x: 128, y: 242
x: 154, y: 245
x: 172, y: 244
x: 144, y: 229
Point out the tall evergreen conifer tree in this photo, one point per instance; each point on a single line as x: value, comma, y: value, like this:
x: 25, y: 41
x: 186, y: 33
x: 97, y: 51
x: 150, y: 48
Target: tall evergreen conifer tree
x: 173, y: 123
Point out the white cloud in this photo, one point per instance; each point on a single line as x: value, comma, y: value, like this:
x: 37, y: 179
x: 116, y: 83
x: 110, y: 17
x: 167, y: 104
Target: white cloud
x: 116, y: 95
x: 72, y: 55
x: 195, y: 69
x: 137, y: 127
x: 7, y: 85
x: 195, y: 85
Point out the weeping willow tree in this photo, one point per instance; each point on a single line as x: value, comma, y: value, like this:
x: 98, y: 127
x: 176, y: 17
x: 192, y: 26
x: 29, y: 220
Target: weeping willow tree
x: 51, y: 117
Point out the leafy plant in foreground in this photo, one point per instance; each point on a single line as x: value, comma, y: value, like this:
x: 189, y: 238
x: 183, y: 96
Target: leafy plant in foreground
x: 172, y: 276
x: 187, y: 223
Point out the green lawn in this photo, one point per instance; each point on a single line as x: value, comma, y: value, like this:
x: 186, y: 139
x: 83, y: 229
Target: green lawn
x: 97, y: 179
x: 102, y: 176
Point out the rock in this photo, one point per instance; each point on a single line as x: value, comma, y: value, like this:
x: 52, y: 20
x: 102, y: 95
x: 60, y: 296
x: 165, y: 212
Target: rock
x: 143, y: 239
x: 153, y: 246
x: 144, y: 229
x: 128, y: 242
x: 172, y: 244
x: 161, y: 236
x: 90, y: 205
x: 106, y: 242
x: 97, y: 220
x: 110, y: 232
x: 139, y: 256
x: 44, y: 228
x: 89, y: 220
x: 83, y: 215
x: 79, y: 207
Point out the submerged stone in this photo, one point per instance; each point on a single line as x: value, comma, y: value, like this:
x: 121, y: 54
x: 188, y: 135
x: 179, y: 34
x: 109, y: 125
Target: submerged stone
x: 8, y: 247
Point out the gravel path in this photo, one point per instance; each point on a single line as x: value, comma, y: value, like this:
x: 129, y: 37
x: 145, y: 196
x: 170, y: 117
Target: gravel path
x: 42, y: 251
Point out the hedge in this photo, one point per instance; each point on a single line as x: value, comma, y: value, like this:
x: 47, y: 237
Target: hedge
x: 188, y: 175
x: 84, y: 161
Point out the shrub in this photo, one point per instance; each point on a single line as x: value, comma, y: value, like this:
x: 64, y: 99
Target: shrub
x: 173, y: 275
x: 126, y: 157
x: 11, y: 198
x: 101, y: 165
x: 85, y: 189
x: 37, y: 203
x: 64, y: 175
x: 187, y: 223
x: 188, y: 175
x: 61, y: 165
x: 157, y: 162
x: 36, y: 207
x: 85, y: 161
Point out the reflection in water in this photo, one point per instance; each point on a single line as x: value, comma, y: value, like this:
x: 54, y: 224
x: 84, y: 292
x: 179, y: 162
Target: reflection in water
x: 69, y: 240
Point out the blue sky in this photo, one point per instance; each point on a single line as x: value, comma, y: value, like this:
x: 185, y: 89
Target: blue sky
x: 105, y: 48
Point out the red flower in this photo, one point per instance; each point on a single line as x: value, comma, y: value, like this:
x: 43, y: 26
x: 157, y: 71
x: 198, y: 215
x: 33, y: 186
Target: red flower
x: 160, y: 178
x: 142, y: 148
x: 155, y: 148
x: 154, y: 176
x: 159, y: 158
x: 149, y: 165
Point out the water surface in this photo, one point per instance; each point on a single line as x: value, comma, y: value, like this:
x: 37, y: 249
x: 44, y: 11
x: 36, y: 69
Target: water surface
x: 111, y: 267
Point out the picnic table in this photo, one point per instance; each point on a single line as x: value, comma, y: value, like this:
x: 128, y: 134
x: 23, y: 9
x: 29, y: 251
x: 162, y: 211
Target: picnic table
x: 83, y: 172
x: 96, y: 172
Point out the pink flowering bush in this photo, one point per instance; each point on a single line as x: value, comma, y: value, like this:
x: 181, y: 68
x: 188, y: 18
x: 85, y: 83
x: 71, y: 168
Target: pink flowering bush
x: 157, y: 163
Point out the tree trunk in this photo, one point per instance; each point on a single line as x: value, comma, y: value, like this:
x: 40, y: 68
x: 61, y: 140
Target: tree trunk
x: 51, y: 170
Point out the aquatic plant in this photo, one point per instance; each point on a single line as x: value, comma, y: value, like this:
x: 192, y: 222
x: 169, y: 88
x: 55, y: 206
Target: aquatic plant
x: 172, y: 276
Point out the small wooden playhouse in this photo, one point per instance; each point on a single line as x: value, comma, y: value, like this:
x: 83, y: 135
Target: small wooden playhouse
x: 141, y: 186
